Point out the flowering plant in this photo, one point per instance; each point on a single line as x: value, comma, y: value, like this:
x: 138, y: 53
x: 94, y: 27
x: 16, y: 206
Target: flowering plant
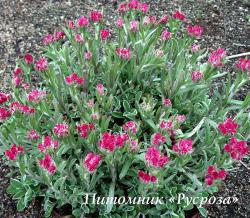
x: 130, y: 111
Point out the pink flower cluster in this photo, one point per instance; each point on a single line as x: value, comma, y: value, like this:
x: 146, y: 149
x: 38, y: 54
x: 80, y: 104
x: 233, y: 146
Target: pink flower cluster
x: 134, y: 26
x: 155, y: 158
x: 130, y: 127
x: 88, y: 55
x: 14, y: 151
x: 50, y: 38
x: 17, y: 76
x: 216, y: 57
x: 83, y: 21
x: 28, y: 58
x: 48, y: 143
x: 167, y: 102
x: 79, y: 38
x: 184, y: 146
x: 195, y: 31
x: 166, y: 124
x: 84, y: 129
x: 196, y: 76
x: 74, y: 79
x: 41, y: 64
x: 4, y: 114
x: 110, y: 141
x: 92, y: 161
x: 61, y: 129
x: 180, y: 118
x: 214, y: 174
x: 96, y: 16
x: 100, y: 88
x: 165, y: 35
x: 237, y: 149
x: 33, y: 135
x: 146, y: 177
x: 228, y: 127
x: 179, y: 15
x: 158, y: 139
x: 48, y: 164
x: 104, y: 34
x: 149, y: 20
x: 119, y: 23
x: 123, y: 53
x: 243, y: 64
x: 133, y: 5
x: 22, y: 108
x: 4, y: 98
x: 36, y: 95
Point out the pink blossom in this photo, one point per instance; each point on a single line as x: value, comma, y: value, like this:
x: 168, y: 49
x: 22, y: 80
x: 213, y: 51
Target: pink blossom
x: 88, y: 55
x: 154, y: 157
x: 22, y: 108
x: 96, y: 16
x: 243, y: 64
x: 228, y: 127
x: 4, y: 98
x: 184, y: 146
x: 165, y: 35
x: 74, y: 79
x: 16, y: 81
x: 179, y: 15
x: 91, y: 103
x: 79, y: 38
x: 144, y: 7
x: 58, y: 35
x: 196, y: 76
x: 26, y: 85
x: 94, y: 116
x: 48, y: 164
x: 71, y: 24
x: 195, y: 31
x: 119, y: 23
x: 130, y: 127
x: 133, y: 145
x: 18, y: 71
x: 122, y: 7
x: 4, y: 114
x: 146, y: 177
x: 121, y: 139
x: 48, y: 143
x: 146, y: 21
x: 180, y: 118
x: 164, y: 19
x: 153, y: 19
x: 83, y: 21
x: 134, y: 26
x: 48, y: 39
x: 123, y: 53
x: 158, y: 139
x: 104, y: 34
x: 167, y: 102
x: 216, y: 57
x: 33, y: 135
x: 195, y: 48
x: 84, y: 129
x: 214, y: 174
x: 28, y: 58
x: 36, y: 95
x: 92, y: 161
x: 166, y: 124
x: 100, y: 88
x: 41, y: 64
x: 133, y: 4
x: 14, y: 151
x: 237, y: 149
x: 61, y: 130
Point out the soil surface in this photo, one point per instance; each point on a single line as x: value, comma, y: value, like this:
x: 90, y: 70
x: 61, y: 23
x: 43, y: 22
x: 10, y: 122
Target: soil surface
x: 24, y: 22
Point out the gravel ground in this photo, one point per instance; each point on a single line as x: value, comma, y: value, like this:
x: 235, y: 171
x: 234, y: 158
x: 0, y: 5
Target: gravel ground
x: 24, y: 22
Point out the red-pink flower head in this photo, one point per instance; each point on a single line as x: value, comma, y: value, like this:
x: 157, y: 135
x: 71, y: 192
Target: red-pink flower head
x: 179, y: 15
x: 49, y: 38
x: 100, y: 88
x: 164, y: 19
x: 14, y: 151
x: 195, y: 31
x: 165, y: 35
x: 84, y: 129
x: 237, y: 149
x: 79, y: 38
x: 83, y: 21
x: 88, y: 55
x: 154, y: 157
x: 130, y: 127
x: 48, y: 164
x: 58, y: 35
x: 123, y: 53
x: 61, y: 129
x: 196, y: 76
x: 41, y: 64
x: 158, y: 139
x: 119, y: 23
x: 108, y: 142
x: 48, y: 143
x: 195, y: 48
x: 228, y: 127
x: 74, y: 79
x: 216, y: 57
x: 96, y: 16
x: 122, y: 7
x: 243, y: 64
x: 144, y: 7
x: 28, y: 58
x: 71, y: 24
x: 214, y: 174
x: 134, y: 26
x: 184, y: 146
x: 22, y: 108
x: 146, y: 177
x: 167, y: 102
x: 92, y: 161
x: 104, y: 34
x: 180, y: 118
x: 33, y: 135
x: 4, y: 98
x: 16, y: 81
x: 166, y: 124
x: 133, y: 4
x: 18, y: 71
x: 36, y: 95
